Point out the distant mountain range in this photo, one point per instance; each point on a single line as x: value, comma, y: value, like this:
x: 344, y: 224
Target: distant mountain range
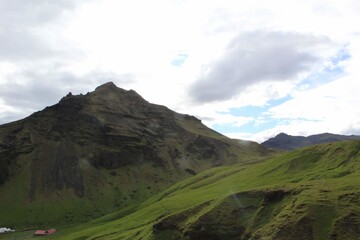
x: 283, y: 141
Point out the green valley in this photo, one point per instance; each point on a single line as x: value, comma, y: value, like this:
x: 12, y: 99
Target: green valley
x: 310, y: 193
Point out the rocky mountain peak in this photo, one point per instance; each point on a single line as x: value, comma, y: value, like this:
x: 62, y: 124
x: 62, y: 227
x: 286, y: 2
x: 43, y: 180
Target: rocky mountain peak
x: 109, y: 128
x: 110, y: 147
x: 109, y: 86
x: 282, y: 135
x: 109, y: 92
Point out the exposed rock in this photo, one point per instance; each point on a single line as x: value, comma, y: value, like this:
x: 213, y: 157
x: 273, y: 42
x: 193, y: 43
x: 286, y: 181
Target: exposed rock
x: 347, y: 227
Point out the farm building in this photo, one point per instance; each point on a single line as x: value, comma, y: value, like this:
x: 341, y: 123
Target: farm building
x: 45, y: 232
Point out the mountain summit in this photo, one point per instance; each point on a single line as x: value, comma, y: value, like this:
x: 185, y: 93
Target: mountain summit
x: 90, y: 154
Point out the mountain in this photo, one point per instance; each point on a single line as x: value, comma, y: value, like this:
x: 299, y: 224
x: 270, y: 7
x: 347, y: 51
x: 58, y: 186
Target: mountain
x: 96, y: 153
x: 310, y: 193
x: 283, y: 141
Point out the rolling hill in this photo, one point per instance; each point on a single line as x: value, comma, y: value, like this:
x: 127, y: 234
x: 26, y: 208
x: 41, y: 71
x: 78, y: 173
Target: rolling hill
x: 310, y: 193
x: 103, y: 151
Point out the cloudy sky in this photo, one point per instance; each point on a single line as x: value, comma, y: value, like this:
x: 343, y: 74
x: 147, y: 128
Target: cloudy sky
x: 248, y: 69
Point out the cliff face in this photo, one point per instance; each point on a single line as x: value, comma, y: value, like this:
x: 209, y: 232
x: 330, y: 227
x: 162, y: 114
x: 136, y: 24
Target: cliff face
x: 109, y: 145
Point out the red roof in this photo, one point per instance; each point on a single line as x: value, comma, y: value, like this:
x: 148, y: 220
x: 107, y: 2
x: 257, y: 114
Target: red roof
x: 51, y: 231
x: 45, y: 232
x: 40, y: 232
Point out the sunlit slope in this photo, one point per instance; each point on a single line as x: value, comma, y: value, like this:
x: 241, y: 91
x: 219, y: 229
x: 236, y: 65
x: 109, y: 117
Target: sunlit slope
x: 311, y: 193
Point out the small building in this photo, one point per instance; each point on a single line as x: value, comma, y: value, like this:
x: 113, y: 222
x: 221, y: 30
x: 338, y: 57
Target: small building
x: 39, y: 233
x: 45, y: 232
x: 51, y: 231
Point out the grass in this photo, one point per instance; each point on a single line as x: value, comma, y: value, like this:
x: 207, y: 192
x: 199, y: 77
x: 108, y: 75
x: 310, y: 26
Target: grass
x: 309, y: 193
x: 312, y: 185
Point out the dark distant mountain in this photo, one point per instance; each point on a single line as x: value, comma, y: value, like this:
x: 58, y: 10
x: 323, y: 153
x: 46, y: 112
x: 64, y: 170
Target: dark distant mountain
x: 283, y: 141
x: 91, y: 154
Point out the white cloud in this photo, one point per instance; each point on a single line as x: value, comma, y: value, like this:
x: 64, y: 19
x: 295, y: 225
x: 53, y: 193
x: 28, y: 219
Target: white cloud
x: 332, y: 106
x: 261, y: 56
x: 60, y: 46
x: 26, y: 26
x: 328, y: 108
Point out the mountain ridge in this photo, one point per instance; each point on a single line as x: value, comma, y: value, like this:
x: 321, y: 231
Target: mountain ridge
x: 91, y: 154
x: 283, y: 141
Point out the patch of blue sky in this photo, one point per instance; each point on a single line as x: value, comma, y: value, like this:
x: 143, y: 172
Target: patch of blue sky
x: 258, y: 111
x: 260, y: 123
x: 257, y: 125
x: 250, y: 127
x: 342, y: 55
x: 276, y: 102
x: 330, y: 73
x: 325, y: 76
x: 179, y: 60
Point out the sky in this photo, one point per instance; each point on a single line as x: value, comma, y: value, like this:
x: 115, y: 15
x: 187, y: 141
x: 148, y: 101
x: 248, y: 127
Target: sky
x: 248, y: 69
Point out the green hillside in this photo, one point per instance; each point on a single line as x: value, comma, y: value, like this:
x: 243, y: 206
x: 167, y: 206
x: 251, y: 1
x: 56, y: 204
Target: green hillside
x: 311, y: 193
x: 93, y: 154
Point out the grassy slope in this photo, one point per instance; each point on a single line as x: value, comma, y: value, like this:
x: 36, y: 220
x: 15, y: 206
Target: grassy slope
x: 63, y: 207
x: 311, y: 193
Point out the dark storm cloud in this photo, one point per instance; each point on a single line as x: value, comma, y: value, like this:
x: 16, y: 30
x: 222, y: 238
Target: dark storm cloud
x: 255, y: 57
